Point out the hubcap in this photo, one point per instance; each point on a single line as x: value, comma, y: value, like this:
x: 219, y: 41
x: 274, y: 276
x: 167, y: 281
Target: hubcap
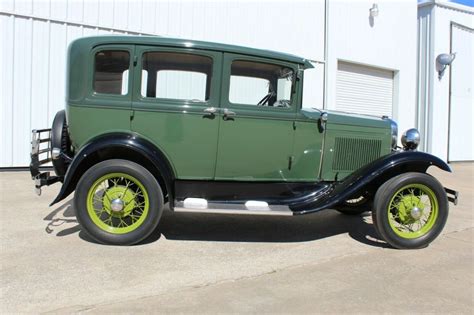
x: 416, y: 213
x: 116, y: 205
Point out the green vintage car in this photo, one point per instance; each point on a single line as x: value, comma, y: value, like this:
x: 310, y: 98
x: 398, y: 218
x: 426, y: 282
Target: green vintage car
x: 217, y: 128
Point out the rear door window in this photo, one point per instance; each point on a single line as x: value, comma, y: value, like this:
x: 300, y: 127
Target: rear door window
x: 178, y: 76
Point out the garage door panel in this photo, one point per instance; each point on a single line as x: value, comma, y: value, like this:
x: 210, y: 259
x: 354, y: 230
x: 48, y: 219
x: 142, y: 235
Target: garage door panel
x: 364, y: 90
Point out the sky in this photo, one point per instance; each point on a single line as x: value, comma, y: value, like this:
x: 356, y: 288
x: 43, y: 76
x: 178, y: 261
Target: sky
x: 465, y: 2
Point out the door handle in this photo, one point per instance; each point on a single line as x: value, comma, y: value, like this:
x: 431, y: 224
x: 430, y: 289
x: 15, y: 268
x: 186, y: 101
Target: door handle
x: 210, y: 110
x: 228, y: 115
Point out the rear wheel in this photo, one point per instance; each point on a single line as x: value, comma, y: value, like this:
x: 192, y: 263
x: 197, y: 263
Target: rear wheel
x: 410, y: 210
x: 118, y: 202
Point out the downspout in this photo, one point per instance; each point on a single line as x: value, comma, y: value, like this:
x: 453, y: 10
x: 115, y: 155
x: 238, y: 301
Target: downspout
x: 326, y: 29
x: 429, y: 89
x: 325, y: 81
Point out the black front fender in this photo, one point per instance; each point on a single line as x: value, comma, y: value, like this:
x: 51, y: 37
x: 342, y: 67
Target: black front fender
x: 370, y: 176
x: 128, y: 146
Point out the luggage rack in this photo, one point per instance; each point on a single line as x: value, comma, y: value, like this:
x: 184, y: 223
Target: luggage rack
x: 40, y: 155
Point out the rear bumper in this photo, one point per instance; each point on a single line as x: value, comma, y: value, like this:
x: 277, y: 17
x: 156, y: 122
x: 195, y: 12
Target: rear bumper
x: 41, y: 155
x: 452, y: 195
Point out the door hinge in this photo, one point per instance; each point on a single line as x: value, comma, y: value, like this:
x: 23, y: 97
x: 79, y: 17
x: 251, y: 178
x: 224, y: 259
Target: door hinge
x: 132, y: 115
x: 135, y: 61
x: 294, y: 125
x: 290, y: 162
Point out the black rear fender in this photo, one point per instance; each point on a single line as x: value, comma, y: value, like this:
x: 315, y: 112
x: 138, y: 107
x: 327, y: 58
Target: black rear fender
x: 118, y: 146
x: 370, y: 177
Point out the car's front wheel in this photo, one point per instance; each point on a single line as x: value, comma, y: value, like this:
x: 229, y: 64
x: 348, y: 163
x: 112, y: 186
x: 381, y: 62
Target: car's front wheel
x: 118, y: 202
x: 410, y: 210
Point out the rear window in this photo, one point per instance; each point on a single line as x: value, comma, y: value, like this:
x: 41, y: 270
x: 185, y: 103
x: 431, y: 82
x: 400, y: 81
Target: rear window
x: 111, y: 72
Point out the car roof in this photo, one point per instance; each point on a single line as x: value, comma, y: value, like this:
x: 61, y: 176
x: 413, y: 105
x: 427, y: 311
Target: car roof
x: 93, y: 41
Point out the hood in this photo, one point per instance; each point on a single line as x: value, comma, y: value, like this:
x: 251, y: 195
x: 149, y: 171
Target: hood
x: 343, y: 118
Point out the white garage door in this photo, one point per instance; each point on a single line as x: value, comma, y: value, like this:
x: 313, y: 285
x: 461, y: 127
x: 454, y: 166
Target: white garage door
x: 461, y: 147
x: 364, y: 90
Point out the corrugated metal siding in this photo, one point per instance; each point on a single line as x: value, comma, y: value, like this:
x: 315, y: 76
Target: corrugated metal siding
x: 364, y: 90
x: 34, y: 36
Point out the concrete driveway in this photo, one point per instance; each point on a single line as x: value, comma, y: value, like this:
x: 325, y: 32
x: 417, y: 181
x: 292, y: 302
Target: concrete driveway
x: 196, y: 263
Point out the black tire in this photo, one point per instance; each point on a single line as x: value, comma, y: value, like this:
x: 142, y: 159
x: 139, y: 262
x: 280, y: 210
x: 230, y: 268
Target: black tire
x: 383, y: 198
x: 60, y: 139
x: 146, y: 179
x: 355, y: 206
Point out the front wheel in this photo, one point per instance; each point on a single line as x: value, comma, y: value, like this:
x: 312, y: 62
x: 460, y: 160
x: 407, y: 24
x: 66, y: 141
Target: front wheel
x: 410, y: 210
x: 118, y: 202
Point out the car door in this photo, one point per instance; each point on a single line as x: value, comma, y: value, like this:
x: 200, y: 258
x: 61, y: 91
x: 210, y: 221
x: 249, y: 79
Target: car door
x: 175, y: 96
x: 258, y: 107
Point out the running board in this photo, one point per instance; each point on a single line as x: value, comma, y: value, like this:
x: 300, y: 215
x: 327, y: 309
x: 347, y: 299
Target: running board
x: 251, y: 207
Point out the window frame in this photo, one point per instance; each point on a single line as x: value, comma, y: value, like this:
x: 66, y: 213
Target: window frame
x: 94, y: 94
x: 154, y: 103
x: 229, y: 58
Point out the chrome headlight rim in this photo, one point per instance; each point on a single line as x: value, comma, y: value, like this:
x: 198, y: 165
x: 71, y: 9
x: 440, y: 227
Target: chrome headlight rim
x: 393, y: 133
x: 411, y: 139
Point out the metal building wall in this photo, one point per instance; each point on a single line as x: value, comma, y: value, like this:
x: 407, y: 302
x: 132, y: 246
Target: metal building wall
x: 436, y: 19
x: 34, y: 36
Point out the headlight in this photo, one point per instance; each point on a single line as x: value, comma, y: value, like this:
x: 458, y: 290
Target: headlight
x: 411, y: 139
x: 394, y: 133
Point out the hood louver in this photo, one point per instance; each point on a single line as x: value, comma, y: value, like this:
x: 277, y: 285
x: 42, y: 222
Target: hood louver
x: 353, y: 153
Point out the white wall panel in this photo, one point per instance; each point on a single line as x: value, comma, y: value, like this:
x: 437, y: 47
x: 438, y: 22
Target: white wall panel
x: 442, y: 16
x: 22, y: 88
x: 41, y: 8
x: 58, y: 9
x: 91, y: 12
x: 40, y: 74
x: 106, y: 13
x: 57, y: 71
x: 135, y: 16
x: 7, y: 5
x: 121, y: 13
x: 461, y: 133
x: 75, y: 11
x: 7, y: 25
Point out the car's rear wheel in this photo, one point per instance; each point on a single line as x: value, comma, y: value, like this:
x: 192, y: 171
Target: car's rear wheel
x: 410, y: 210
x: 118, y: 202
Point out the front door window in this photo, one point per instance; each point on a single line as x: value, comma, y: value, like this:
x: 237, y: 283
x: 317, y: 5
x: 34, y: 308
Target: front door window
x: 260, y: 84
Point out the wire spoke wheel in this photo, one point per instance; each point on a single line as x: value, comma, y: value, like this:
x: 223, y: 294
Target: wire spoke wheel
x: 413, y: 210
x: 118, y: 203
x: 410, y: 210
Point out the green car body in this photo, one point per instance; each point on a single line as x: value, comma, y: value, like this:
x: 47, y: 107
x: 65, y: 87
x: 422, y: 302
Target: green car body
x: 220, y: 149
x: 218, y: 145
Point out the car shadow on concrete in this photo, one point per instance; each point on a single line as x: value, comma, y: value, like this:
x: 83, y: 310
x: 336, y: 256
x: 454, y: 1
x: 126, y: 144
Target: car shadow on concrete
x: 247, y: 228
x: 236, y: 228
